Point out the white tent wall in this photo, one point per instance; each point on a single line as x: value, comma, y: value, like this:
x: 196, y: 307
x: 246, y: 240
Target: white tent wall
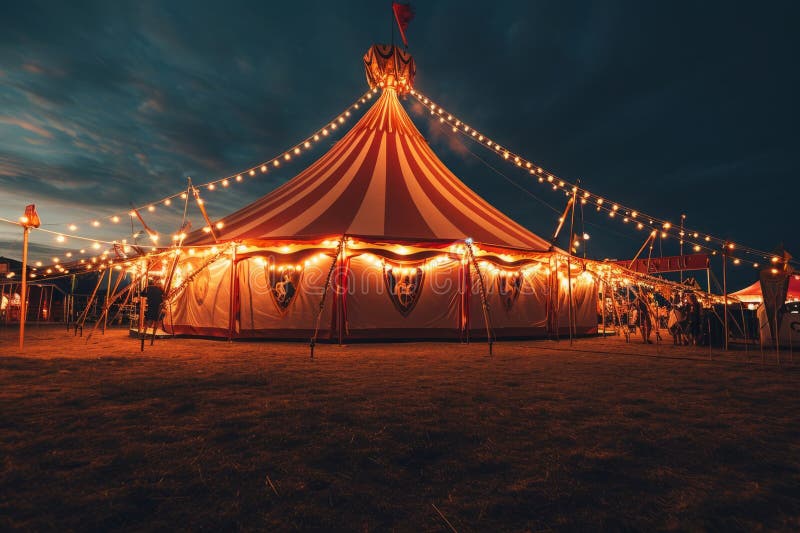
x: 788, y: 333
x: 527, y: 315
x: 202, y: 307
x: 584, y: 298
x: 364, y: 308
x: 260, y: 315
x: 371, y: 313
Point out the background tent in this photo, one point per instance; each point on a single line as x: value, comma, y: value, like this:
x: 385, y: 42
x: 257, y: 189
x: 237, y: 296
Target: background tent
x: 752, y: 294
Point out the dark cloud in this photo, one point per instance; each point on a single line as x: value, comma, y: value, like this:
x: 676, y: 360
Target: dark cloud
x: 670, y: 107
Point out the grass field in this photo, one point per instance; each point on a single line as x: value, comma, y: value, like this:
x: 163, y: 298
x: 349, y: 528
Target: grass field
x: 195, y: 434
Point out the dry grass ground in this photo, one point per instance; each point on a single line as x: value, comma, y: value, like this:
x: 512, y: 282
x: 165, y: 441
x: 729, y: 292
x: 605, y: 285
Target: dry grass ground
x: 205, y: 434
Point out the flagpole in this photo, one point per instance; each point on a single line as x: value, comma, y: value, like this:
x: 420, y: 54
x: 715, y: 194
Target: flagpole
x: 29, y: 220
x: 23, y: 297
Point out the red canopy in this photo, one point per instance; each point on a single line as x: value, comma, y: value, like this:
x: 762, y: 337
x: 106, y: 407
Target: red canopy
x: 752, y: 294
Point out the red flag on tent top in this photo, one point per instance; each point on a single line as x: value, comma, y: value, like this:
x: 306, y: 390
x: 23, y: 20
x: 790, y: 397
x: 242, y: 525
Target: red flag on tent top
x: 403, y: 15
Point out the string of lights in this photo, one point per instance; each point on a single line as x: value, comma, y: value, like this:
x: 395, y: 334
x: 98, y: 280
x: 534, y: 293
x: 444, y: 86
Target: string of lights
x: 225, y: 182
x: 698, y: 240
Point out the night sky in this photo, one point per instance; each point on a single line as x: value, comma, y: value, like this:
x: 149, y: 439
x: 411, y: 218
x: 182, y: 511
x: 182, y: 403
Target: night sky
x: 667, y: 107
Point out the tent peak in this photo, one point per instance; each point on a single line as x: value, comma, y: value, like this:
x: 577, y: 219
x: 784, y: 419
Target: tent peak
x: 387, y: 65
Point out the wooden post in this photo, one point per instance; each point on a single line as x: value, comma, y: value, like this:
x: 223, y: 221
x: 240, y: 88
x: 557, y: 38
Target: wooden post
x: 23, y: 297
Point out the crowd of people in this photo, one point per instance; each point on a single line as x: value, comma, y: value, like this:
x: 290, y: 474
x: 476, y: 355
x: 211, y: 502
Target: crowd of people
x: 682, y: 317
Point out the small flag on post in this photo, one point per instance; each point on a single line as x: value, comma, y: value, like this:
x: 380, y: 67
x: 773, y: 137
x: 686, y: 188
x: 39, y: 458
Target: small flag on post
x: 403, y: 14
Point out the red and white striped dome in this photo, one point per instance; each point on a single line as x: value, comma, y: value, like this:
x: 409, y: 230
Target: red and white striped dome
x: 380, y: 181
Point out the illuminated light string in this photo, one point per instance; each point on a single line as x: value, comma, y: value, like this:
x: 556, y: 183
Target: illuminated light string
x: 221, y: 183
x: 635, y: 218
x: 585, y: 196
x: 225, y: 182
x: 615, y: 210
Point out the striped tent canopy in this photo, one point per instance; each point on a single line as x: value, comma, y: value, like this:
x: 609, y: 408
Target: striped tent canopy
x: 381, y: 181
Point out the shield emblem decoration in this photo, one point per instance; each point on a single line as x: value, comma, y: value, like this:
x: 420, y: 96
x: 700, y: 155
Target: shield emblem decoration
x: 509, y: 285
x: 404, y: 286
x: 283, y: 283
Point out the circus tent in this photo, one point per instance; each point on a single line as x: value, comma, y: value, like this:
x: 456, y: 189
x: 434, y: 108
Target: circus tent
x: 376, y: 239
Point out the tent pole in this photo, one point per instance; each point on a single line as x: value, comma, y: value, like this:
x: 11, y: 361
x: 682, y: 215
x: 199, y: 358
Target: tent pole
x: 107, y: 305
x: 615, y: 308
x: 82, y: 320
x: 761, y: 337
x: 50, y: 304
x: 744, y: 329
x: 777, y: 338
x: 463, y: 276
x: 603, y: 305
x: 484, y: 302
x: 569, y: 295
x: 108, y: 295
x: 340, y: 315
x: 232, y: 310
x: 71, y: 307
x: 129, y: 291
x: 725, y: 293
x: 683, y: 219
x: 572, y: 320
x: 142, y: 334
x: 39, y: 307
x: 635, y: 257
x: 791, y: 348
x: 331, y: 270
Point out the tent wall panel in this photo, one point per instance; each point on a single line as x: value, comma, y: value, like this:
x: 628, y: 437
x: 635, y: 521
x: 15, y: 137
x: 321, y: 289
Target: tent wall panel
x: 584, y: 297
x: 371, y: 312
x: 261, y: 315
x: 203, y: 306
x: 788, y: 329
x: 522, y: 316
